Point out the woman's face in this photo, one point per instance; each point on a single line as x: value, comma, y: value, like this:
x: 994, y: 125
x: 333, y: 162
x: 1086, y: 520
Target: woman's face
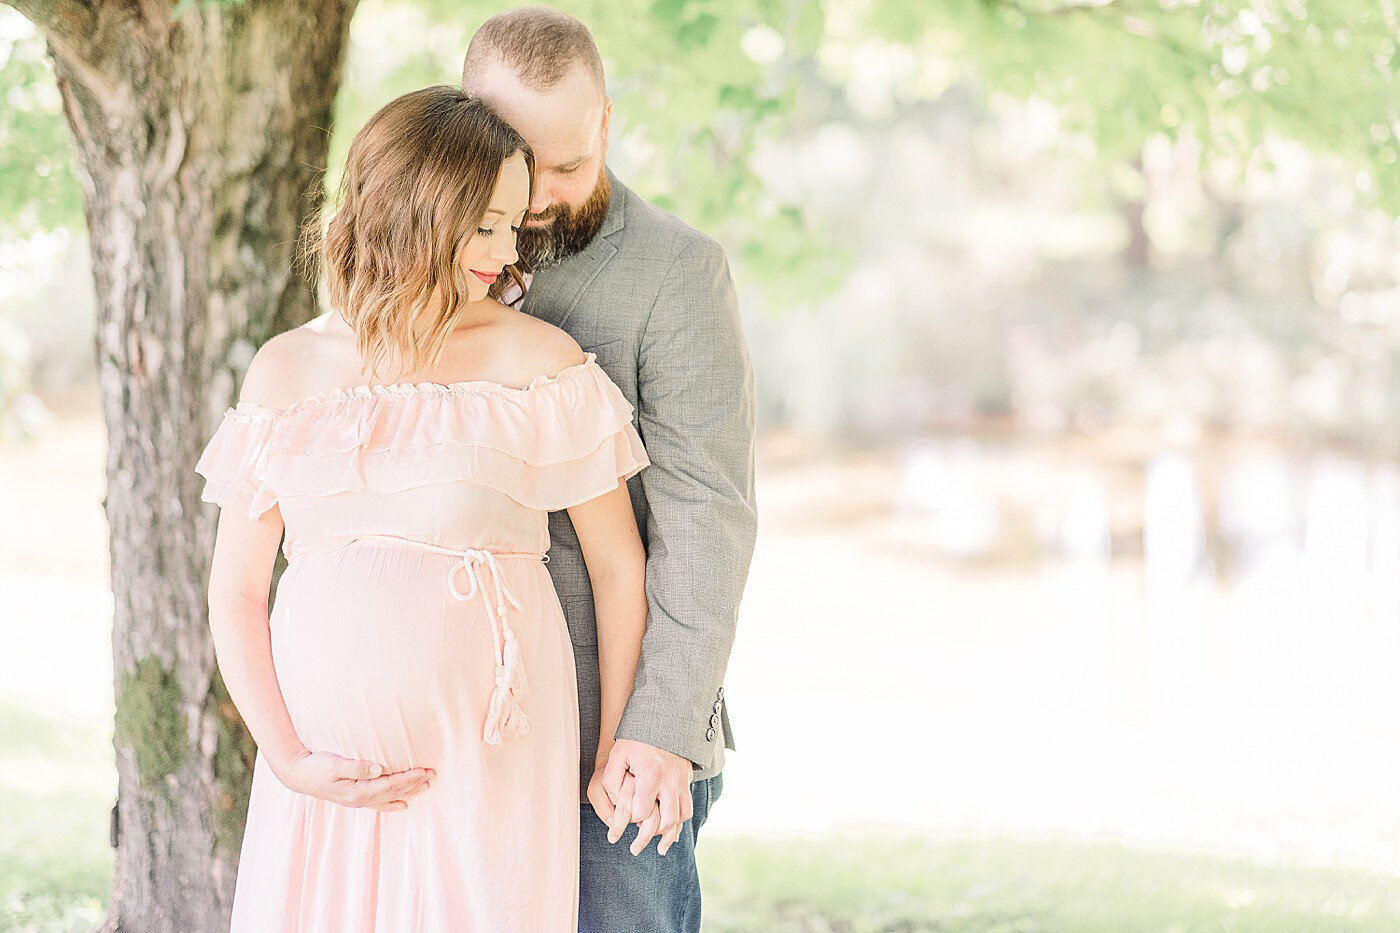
x: 492, y: 247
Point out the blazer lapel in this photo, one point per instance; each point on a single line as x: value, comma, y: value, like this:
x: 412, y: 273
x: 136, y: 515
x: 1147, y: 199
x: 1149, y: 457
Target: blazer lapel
x: 554, y: 292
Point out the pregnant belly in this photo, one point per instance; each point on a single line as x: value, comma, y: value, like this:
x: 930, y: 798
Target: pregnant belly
x: 376, y: 659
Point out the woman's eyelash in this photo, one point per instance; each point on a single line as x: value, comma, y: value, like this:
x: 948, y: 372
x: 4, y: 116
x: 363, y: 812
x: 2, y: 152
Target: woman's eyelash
x: 485, y: 231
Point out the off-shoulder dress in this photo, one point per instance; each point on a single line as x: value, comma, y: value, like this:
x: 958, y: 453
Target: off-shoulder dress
x: 417, y: 626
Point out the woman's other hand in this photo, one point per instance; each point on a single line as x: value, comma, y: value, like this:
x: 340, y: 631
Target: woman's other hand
x: 351, y: 782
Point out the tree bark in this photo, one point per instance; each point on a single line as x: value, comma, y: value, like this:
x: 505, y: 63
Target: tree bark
x: 1137, y: 253
x: 201, y: 132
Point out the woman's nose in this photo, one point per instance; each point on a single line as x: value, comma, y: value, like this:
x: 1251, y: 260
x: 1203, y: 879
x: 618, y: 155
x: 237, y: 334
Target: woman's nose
x: 504, y: 251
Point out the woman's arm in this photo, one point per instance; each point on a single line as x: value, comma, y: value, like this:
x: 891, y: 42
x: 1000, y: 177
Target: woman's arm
x: 612, y: 550
x: 239, y: 583
x: 240, y: 580
x: 238, y: 587
x: 608, y: 536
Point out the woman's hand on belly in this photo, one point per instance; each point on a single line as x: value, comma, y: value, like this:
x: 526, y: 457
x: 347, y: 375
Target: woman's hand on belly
x: 352, y: 782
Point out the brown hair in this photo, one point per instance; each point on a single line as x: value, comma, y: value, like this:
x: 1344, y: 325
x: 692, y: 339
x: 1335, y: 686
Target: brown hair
x: 418, y: 180
x: 538, y: 43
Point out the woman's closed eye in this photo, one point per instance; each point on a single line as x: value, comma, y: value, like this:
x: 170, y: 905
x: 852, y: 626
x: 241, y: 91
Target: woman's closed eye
x: 487, y: 231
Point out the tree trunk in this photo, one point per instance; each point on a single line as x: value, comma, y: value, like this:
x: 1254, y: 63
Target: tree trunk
x: 201, y: 132
x: 1137, y: 253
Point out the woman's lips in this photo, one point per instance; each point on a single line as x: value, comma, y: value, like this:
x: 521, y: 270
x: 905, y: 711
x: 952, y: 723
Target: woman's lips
x: 487, y: 277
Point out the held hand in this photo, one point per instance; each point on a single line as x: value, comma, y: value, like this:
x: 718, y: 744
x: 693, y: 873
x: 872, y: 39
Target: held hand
x: 648, y: 786
x: 602, y: 803
x: 604, y: 806
x: 351, y: 782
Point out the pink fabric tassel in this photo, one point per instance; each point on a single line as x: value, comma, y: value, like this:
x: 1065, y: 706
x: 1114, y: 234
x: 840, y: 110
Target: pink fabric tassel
x: 505, y: 719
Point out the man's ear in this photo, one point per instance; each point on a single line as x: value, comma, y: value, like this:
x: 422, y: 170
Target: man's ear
x: 607, y: 114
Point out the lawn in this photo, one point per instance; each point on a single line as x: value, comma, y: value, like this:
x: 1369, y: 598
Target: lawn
x: 55, y: 796
x: 57, y: 784
x: 864, y: 883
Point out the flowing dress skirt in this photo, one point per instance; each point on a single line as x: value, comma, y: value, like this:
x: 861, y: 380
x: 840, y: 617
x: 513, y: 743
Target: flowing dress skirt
x: 377, y: 659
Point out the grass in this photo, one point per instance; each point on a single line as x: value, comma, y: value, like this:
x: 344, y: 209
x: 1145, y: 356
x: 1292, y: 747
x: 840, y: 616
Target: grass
x: 57, y: 784
x: 864, y: 883
x: 56, y: 788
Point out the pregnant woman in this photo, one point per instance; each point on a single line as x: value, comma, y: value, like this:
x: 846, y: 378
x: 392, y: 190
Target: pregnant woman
x: 412, y: 691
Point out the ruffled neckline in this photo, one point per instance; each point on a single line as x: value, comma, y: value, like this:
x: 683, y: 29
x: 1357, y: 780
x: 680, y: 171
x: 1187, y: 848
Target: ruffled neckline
x: 418, y: 390
x: 560, y: 440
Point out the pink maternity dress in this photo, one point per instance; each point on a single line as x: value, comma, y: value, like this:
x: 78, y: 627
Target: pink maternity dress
x: 417, y: 626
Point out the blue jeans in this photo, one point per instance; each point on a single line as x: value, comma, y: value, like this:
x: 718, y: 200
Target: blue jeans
x: 647, y: 893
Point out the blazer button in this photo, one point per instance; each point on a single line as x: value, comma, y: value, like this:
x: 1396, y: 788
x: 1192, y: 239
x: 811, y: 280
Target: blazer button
x: 710, y: 734
x: 714, y: 721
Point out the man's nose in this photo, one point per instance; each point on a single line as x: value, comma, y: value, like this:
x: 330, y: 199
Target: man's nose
x: 542, y: 197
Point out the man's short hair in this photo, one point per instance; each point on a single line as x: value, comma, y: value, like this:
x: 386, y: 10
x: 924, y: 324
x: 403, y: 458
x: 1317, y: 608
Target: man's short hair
x: 538, y: 43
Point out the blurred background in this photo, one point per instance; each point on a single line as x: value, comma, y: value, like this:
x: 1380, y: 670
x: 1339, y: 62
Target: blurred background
x: 1076, y: 602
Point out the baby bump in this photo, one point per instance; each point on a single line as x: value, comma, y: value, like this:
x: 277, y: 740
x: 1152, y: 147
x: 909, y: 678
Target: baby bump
x: 377, y: 659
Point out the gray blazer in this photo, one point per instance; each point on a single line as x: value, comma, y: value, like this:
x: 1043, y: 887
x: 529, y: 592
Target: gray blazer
x: 653, y: 299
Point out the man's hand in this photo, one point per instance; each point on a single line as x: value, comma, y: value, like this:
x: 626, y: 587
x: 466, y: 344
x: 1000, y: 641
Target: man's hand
x: 350, y: 782
x: 645, y: 785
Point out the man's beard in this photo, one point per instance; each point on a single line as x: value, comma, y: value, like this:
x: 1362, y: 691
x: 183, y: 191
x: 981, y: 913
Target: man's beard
x: 570, y: 231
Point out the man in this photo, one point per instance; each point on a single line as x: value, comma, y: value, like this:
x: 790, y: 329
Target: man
x: 652, y: 298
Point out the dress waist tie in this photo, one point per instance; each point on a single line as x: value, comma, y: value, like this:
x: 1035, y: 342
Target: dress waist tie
x: 505, y: 720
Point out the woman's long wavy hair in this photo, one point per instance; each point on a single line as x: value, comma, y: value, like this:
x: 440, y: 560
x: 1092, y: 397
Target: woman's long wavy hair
x: 417, y: 183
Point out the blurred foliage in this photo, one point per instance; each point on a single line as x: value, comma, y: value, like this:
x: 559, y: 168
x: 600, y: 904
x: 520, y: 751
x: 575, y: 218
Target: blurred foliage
x: 15, y: 399
x: 1232, y: 72
x: 689, y: 104
x: 700, y: 85
x: 38, y: 172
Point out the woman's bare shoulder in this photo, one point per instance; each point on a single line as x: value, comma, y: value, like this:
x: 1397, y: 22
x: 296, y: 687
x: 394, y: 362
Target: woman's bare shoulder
x: 537, y: 348
x: 296, y: 364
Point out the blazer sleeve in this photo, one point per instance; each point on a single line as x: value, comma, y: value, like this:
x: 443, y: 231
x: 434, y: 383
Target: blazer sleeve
x: 696, y: 413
